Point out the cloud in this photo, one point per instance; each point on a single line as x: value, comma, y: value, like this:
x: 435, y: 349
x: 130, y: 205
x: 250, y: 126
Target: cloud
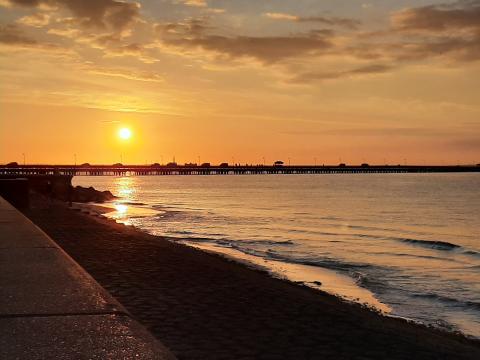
x: 105, y: 14
x: 281, y: 16
x: 26, y: 3
x: 145, y: 76
x: 196, y: 34
x: 416, y: 34
x: 309, y: 77
x: 449, y: 30
x: 13, y: 37
x: 216, y: 10
x: 265, y: 49
x: 195, y: 3
x: 102, y: 24
x: 135, y: 50
x: 377, y: 131
x: 331, y: 21
x: 194, y: 27
x: 461, y: 15
x: 35, y: 20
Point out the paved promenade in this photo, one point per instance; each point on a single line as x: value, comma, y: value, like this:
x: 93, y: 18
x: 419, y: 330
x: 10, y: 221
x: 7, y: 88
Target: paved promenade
x: 50, y: 308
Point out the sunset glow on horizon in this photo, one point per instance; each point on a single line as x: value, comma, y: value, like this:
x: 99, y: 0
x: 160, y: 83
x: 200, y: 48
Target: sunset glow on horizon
x: 379, y: 81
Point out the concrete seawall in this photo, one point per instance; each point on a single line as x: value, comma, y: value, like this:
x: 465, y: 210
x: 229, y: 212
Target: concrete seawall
x: 50, y: 308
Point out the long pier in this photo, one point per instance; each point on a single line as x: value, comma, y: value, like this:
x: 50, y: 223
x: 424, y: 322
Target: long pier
x: 163, y: 170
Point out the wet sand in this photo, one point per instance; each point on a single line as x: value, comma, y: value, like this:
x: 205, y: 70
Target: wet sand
x: 203, y: 306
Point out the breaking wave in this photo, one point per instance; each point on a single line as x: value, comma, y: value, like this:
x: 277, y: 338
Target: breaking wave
x: 437, y: 245
x: 449, y: 300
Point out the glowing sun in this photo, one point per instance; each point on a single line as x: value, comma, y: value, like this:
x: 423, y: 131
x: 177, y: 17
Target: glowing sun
x: 125, y: 133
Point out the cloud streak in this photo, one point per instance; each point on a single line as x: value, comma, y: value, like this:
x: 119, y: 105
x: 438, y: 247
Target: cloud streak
x: 309, y: 77
x: 324, y: 20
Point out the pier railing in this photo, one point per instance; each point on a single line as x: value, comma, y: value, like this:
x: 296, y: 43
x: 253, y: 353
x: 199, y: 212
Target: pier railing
x: 124, y: 170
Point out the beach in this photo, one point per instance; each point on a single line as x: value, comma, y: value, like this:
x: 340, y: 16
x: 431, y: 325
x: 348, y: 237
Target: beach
x: 204, y: 306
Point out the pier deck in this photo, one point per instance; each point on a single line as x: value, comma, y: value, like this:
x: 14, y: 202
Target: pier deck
x: 162, y: 170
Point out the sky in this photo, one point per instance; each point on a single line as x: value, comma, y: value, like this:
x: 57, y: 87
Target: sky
x: 326, y: 81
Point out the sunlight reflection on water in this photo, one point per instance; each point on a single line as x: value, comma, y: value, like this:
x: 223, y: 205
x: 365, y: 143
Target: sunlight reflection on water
x: 122, y: 209
x: 126, y: 188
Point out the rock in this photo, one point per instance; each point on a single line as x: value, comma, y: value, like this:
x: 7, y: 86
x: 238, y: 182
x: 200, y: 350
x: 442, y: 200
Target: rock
x: 81, y: 194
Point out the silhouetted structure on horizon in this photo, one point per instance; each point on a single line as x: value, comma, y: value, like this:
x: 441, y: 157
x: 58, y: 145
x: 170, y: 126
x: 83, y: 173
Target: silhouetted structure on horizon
x: 223, y: 169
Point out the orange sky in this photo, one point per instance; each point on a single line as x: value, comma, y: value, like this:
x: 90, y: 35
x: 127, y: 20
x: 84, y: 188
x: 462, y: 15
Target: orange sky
x: 380, y: 81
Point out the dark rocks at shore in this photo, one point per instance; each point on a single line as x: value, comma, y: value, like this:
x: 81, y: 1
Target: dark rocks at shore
x: 53, y: 186
x: 61, y: 189
x: 90, y: 194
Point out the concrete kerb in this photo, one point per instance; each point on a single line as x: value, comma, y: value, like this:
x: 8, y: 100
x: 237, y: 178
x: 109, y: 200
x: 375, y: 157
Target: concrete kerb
x: 50, y: 307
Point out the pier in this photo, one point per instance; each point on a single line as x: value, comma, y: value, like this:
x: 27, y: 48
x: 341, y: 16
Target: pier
x: 163, y: 170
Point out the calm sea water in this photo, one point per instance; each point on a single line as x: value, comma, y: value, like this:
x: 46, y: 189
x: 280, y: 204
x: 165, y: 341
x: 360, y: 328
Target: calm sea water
x: 410, y: 240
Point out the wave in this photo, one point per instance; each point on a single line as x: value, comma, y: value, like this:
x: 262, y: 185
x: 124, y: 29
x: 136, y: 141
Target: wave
x: 437, y: 245
x: 132, y: 203
x: 272, y: 254
x: 367, y: 276
x: 333, y: 264
x: 268, y: 242
x: 430, y: 257
x: 237, y: 244
x: 449, y: 300
x: 472, y: 252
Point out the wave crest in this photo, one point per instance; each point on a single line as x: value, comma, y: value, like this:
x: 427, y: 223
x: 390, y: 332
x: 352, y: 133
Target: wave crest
x: 438, y: 245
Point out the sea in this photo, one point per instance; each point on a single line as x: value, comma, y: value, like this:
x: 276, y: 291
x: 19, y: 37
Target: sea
x: 407, y: 245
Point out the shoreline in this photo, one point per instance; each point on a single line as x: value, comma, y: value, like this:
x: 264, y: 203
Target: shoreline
x: 330, y: 282
x: 319, y: 278
x: 199, y: 303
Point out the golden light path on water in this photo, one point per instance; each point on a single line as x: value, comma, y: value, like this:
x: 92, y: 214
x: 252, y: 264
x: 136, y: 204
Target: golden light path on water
x: 127, y: 206
x: 125, y: 188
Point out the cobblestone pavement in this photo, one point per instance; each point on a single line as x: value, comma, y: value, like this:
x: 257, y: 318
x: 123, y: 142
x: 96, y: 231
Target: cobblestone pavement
x: 203, y: 306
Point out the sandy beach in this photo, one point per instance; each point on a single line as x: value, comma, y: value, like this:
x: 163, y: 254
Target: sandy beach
x: 203, y: 306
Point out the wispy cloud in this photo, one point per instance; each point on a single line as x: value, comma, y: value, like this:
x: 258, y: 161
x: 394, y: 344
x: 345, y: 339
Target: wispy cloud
x: 324, y: 20
x: 195, y: 3
x: 373, y: 69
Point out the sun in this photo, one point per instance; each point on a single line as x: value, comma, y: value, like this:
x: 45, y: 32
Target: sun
x: 125, y: 133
